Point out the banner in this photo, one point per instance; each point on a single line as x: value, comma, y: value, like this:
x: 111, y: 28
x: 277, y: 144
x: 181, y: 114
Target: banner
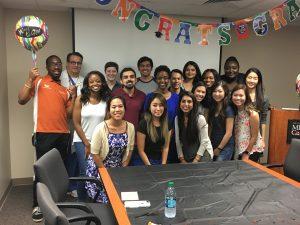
x: 166, y: 24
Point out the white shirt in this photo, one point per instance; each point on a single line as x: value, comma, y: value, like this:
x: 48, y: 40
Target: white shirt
x: 91, y: 116
x: 65, y: 81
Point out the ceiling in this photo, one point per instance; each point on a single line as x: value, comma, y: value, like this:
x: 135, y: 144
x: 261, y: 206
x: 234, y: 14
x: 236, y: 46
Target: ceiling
x: 237, y: 9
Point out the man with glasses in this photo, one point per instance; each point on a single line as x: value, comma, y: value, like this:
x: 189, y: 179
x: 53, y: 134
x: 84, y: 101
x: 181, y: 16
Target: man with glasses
x: 71, y: 77
x: 53, y: 104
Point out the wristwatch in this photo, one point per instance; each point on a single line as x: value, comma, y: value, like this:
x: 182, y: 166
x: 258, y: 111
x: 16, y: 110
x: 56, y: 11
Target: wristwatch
x: 246, y: 152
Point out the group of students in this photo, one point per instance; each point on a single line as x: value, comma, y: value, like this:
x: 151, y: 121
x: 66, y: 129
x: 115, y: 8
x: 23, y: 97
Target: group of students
x: 186, y: 117
x: 173, y: 116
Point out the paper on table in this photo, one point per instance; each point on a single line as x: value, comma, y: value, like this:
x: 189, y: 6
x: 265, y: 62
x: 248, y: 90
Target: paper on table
x: 137, y: 204
x: 129, y: 196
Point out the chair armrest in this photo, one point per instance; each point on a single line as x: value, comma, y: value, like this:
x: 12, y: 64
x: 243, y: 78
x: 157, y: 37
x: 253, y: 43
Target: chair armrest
x: 275, y: 165
x: 75, y: 205
x: 89, y: 218
x: 90, y: 179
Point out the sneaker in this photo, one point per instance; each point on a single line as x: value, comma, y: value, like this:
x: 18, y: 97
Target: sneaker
x: 73, y: 193
x: 37, y: 215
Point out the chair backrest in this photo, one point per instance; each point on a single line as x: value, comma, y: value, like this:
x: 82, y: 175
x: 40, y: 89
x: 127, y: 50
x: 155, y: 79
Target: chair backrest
x: 51, y: 171
x: 52, y: 214
x: 291, y: 165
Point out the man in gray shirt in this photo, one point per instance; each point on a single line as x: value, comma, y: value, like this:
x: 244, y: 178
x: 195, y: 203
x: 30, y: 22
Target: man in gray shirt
x: 146, y: 82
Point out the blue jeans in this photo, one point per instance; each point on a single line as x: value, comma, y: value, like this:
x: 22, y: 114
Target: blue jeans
x: 80, y: 152
x: 72, y: 169
x: 226, y: 153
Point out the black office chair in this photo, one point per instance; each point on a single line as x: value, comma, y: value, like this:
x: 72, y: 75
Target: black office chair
x: 291, y: 166
x: 54, y: 216
x: 51, y: 171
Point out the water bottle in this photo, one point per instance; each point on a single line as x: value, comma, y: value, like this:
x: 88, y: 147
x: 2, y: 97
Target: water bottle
x: 170, y: 201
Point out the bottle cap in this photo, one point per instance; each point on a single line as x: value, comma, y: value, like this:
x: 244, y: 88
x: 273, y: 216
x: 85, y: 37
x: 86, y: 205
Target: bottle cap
x: 170, y: 184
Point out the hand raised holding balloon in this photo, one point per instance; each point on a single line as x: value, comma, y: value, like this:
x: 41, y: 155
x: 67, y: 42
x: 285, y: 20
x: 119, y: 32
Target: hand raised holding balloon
x: 33, y: 73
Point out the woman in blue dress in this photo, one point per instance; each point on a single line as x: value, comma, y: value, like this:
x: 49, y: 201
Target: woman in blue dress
x: 111, y: 146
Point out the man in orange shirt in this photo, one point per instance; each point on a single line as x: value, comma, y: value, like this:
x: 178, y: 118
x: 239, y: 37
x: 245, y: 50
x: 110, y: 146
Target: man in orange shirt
x: 53, y: 104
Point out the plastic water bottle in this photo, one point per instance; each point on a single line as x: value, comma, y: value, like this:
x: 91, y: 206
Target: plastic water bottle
x: 170, y: 201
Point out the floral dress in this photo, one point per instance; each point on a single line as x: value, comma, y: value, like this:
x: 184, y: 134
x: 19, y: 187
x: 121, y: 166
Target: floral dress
x: 243, y: 134
x: 117, y: 146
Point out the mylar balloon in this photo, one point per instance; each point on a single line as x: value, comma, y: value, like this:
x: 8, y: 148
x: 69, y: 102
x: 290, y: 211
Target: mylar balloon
x: 298, y: 85
x: 32, y: 33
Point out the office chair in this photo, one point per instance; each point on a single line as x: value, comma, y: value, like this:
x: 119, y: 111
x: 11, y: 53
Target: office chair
x: 54, y: 216
x: 51, y: 171
x: 291, y: 165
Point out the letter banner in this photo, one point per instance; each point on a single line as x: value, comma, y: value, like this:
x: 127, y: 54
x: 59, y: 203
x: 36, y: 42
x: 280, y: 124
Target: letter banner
x: 184, y: 31
x: 260, y: 25
x: 277, y: 16
x: 138, y: 16
x: 125, y: 7
x: 241, y: 28
x: 143, y: 17
x: 225, y: 37
x: 204, y: 29
x: 165, y: 24
x: 293, y: 9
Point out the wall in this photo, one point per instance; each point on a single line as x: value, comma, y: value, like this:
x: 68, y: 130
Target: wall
x: 18, y: 65
x: 4, y: 126
x: 277, y: 55
x: 100, y: 37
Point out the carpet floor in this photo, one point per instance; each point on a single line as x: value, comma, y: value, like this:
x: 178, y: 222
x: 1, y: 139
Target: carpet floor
x: 17, y: 207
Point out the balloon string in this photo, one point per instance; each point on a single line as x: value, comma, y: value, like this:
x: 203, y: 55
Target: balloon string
x: 33, y: 55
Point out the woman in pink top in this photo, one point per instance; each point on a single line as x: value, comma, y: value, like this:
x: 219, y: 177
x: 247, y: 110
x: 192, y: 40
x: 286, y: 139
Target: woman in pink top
x: 248, y: 140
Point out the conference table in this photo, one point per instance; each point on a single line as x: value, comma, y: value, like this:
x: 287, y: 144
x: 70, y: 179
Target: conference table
x: 229, y: 192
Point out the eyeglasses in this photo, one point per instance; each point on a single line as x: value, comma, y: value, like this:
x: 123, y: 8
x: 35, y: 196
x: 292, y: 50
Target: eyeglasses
x: 73, y: 63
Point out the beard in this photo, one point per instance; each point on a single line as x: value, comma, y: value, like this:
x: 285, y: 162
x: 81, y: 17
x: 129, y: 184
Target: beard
x: 129, y: 86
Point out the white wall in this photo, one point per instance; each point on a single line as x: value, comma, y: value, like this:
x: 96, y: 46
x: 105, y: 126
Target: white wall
x: 18, y: 65
x: 5, y: 173
x: 100, y: 37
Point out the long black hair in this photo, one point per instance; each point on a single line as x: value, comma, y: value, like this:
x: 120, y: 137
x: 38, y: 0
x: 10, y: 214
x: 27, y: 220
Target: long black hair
x: 206, y: 99
x: 103, y: 94
x: 191, y: 129
x: 198, y: 71
x: 151, y: 129
x: 259, y: 89
x: 224, y: 103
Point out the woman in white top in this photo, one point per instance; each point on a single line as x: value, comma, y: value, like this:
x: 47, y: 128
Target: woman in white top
x: 89, y: 111
x: 191, y: 132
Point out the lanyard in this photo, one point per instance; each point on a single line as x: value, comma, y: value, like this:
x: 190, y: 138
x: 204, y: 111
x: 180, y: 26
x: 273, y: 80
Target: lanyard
x: 71, y: 80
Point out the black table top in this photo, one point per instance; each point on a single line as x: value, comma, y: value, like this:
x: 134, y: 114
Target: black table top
x: 230, y: 192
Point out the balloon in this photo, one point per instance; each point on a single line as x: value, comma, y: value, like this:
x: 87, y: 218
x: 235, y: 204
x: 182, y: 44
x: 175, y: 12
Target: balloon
x: 103, y: 2
x: 32, y: 33
x: 298, y: 85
